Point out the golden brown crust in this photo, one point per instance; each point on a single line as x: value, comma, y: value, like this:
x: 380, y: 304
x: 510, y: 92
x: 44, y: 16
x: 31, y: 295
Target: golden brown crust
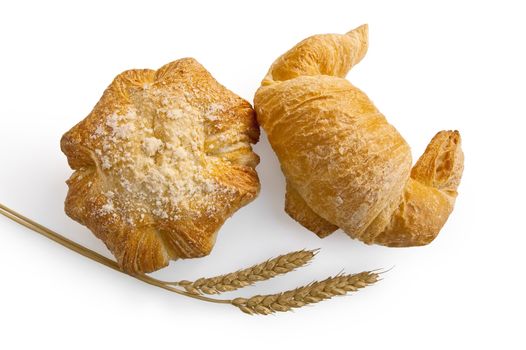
x: 160, y: 163
x: 345, y: 165
x: 296, y: 207
x: 428, y: 198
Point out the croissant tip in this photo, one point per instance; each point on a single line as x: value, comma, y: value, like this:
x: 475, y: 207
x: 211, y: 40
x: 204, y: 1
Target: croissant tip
x: 448, y: 133
x: 363, y: 29
x: 457, y: 137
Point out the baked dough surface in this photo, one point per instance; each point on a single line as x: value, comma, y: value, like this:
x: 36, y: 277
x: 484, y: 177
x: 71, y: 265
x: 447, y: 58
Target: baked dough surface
x: 160, y: 163
x: 345, y: 165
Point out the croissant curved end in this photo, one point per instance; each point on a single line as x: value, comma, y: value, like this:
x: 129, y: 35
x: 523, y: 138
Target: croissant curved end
x: 324, y: 54
x: 429, y: 195
x: 360, y: 37
x: 362, y: 30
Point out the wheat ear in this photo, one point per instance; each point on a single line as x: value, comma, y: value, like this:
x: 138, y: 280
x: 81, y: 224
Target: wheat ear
x: 246, y: 277
x: 309, y: 294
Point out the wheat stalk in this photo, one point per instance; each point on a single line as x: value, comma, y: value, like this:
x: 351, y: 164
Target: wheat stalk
x: 259, y: 304
x: 309, y: 294
x: 246, y: 277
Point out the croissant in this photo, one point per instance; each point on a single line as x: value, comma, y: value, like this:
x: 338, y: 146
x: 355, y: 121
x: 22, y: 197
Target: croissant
x: 345, y: 165
x: 160, y: 163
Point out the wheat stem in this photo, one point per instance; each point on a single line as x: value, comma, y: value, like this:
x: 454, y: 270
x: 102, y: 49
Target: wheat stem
x: 32, y: 225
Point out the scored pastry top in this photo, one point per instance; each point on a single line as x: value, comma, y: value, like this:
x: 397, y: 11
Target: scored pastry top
x: 160, y: 163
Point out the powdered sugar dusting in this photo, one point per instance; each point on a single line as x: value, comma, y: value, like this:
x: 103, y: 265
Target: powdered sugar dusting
x: 212, y: 109
x: 107, y: 208
x: 122, y: 130
x: 152, y: 145
x: 156, y: 158
x: 105, y: 162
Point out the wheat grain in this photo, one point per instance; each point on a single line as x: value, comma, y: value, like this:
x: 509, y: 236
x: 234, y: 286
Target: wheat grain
x: 245, y: 277
x: 309, y: 294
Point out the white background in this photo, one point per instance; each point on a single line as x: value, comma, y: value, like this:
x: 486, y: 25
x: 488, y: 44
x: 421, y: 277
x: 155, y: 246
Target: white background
x: 454, y: 65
